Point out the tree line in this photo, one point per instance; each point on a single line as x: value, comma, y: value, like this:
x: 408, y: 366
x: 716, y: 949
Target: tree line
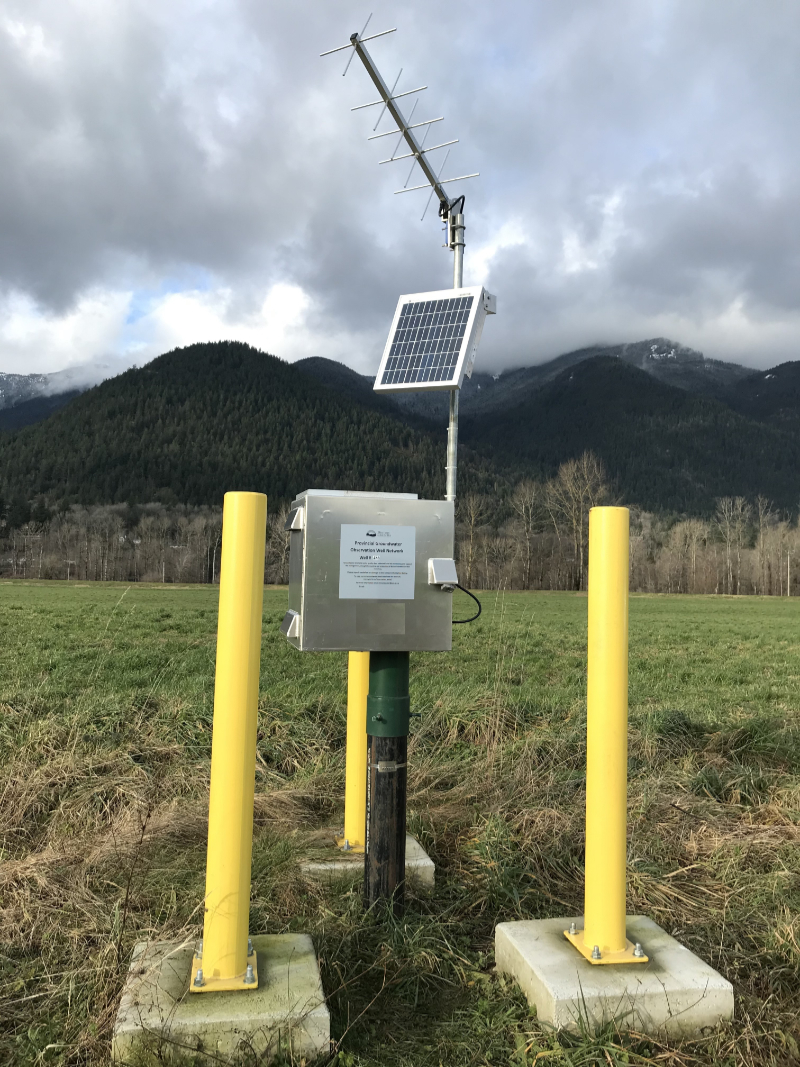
x: 745, y: 547
x: 125, y: 543
x: 535, y: 537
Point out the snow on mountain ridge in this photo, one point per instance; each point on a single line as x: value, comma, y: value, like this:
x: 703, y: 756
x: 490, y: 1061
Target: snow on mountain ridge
x: 17, y: 388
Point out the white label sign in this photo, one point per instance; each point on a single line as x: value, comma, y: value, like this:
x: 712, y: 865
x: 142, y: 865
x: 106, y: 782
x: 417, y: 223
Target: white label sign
x: 377, y: 562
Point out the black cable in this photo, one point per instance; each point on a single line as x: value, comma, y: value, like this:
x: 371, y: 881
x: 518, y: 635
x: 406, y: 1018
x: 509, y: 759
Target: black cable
x: 472, y: 618
x: 446, y: 208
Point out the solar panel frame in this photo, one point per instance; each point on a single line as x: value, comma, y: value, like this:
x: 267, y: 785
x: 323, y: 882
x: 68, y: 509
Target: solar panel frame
x: 432, y: 342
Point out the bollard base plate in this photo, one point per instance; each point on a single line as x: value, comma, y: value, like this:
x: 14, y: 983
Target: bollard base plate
x: 221, y: 985
x: 626, y: 956
x: 341, y: 841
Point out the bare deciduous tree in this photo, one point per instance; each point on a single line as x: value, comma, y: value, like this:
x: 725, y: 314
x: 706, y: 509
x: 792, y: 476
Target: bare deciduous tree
x: 527, y: 502
x: 724, y: 520
x: 579, y: 485
x: 472, y: 512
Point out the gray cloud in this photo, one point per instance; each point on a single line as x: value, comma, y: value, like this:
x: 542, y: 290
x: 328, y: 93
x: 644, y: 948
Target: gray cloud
x: 637, y: 161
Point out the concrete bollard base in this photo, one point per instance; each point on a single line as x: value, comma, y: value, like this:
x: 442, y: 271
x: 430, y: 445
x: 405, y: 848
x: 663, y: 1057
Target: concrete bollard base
x: 675, y: 994
x: 159, y: 1020
x: 337, y: 864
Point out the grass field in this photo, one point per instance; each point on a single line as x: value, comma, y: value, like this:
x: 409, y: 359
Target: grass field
x: 106, y: 697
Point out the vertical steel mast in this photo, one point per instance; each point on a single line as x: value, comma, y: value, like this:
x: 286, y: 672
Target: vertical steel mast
x: 451, y: 209
x: 455, y: 234
x: 386, y: 713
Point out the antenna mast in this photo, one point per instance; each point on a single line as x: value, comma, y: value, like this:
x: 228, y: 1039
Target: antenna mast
x: 451, y: 209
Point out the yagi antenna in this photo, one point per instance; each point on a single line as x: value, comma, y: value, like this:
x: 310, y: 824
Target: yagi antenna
x: 451, y: 210
x: 405, y: 131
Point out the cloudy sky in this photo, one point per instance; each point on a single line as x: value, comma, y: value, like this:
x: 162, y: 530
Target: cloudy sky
x: 189, y: 170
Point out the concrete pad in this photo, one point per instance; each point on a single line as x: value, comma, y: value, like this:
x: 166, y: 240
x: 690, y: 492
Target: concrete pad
x: 158, y: 1019
x: 420, y: 868
x: 675, y: 994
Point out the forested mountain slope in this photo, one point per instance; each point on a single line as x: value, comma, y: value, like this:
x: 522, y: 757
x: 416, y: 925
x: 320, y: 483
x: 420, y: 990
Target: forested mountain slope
x: 36, y: 409
x: 665, y: 360
x: 212, y: 417
x: 771, y: 396
x: 201, y: 420
x: 664, y: 448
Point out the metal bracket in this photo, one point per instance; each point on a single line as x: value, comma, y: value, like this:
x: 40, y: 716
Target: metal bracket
x: 295, y: 519
x: 385, y: 766
x: 630, y: 954
x: 209, y: 984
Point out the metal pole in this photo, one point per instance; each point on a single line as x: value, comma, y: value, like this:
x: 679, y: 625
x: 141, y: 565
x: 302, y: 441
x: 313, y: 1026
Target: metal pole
x: 355, y: 801
x: 603, y: 939
x: 451, y: 470
x: 607, y: 730
x: 457, y: 230
x: 388, y: 712
x: 456, y: 241
x: 226, y: 960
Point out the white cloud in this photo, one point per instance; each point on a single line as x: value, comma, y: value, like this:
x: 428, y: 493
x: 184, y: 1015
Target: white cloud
x: 276, y: 325
x: 638, y: 168
x: 35, y: 340
x: 29, y: 38
x: 511, y: 234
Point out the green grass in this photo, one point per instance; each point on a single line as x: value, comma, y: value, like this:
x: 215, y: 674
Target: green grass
x: 106, y: 699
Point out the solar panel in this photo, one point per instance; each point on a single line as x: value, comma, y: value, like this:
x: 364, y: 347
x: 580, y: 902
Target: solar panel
x: 433, y: 339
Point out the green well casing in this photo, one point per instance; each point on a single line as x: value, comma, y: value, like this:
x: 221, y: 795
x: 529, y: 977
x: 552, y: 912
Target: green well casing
x: 388, y: 702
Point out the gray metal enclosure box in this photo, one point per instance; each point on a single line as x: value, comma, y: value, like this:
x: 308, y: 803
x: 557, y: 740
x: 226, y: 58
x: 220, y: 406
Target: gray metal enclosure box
x: 398, y: 610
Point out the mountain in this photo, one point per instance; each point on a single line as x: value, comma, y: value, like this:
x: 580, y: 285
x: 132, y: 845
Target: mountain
x: 664, y: 448
x: 772, y: 395
x: 16, y: 388
x: 27, y: 412
x: 201, y: 420
x: 674, y: 364
x: 347, y: 382
x: 667, y: 361
x: 29, y: 398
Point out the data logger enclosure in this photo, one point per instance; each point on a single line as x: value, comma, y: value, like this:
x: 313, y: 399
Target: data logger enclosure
x: 361, y: 576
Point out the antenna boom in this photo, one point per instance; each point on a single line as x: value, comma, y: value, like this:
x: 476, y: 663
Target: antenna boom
x: 407, y: 133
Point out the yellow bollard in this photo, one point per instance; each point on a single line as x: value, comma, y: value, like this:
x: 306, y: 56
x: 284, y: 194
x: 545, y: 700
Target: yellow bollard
x: 603, y: 938
x: 226, y: 961
x: 355, y: 785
